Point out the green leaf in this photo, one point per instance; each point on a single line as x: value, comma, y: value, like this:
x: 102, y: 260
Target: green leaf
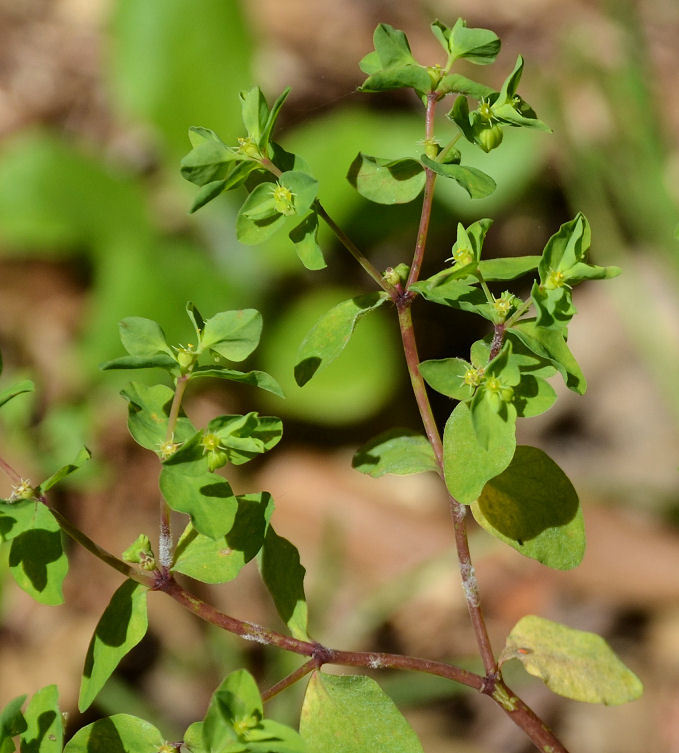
x: 283, y: 575
x: 37, y: 559
x: 573, y: 663
x: 17, y: 517
x: 148, y: 413
x: 454, y: 82
x: 386, y: 181
x: 273, y: 116
x: 397, y: 77
x: 45, y: 729
x: 391, y: 46
x: 447, y: 376
x: 159, y: 361
x: 82, y: 457
x: 243, y: 437
x: 454, y: 293
x: 196, y: 318
x: 480, y: 46
x: 143, y: 337
x: 508, y: 268
x: 120, y: 733
x: 209, y: 159
x: 533, y: 396
x: 533, y: 507
x: 234, y: 335
x: 207, y: 192
x: 474, y: 181
x: 397, y: 451
x: 550, y: 344
x: 467, y: 464
x: 259, y: 219
x: 189, y: 487
x: 120, y: 628
x: 352, y: 714
x: 12, y: 723
x: 331, y: 334
x: 220, y: 560
x: 255, y: 378
x: 305, y: 238
x: 235, y: 706
x: 255, y: 112
x: 25, y: 385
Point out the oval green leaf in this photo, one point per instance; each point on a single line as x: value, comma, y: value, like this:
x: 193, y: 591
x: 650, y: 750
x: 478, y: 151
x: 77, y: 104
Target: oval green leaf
x: 44, y: 732
x: 573, y: 663
x: 468, y: 465
x: 533, y: 507
x: 446, y: 375
x: 233, y: 334
x: 352, y: 714
x: 397, y: 451
x: 386, y: 181
x: 120, y: 733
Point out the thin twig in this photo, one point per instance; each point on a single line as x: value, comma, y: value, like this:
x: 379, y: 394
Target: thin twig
x: 291, y: 679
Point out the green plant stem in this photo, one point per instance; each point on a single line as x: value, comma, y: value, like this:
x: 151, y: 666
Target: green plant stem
x: 425, y: 215
x: 518, y: 313
x: 122, y: 567
x: 165, y: 542
x: 457, y: 510
x: 290, y: 679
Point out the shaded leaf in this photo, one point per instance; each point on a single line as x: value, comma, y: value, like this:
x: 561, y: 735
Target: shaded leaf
x: 120, y: 733
x: 454, y: 82
x: 122, y: 625
x: 255, y: 378
x: 397, y: 451
x: 352, y: 714
x: 159, y: 361
x: 550, y: 344
x: 12, y: 723
x: 220, y: 560
x: 17, y: 517
x: 45, y: 728
x: 386, y: 181
x: 398, y: 76
x: 37, y: 559
x: 148, y: 413
x: 331, y: 334
x: 533, y: 507
x: 474, y: 181
x: 305, y: 238
x: 206, y: 497
x: 283, y: 575
x: 573, y: 663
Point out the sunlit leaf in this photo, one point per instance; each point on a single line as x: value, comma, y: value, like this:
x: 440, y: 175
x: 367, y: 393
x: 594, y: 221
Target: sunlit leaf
x: 386, y: 181
x: 352, y: 714
x: 573, y: 663
x: 120, y: 733
x: 122, y: 625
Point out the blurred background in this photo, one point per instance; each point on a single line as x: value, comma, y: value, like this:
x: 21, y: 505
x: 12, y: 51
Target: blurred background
x: 95, y: 100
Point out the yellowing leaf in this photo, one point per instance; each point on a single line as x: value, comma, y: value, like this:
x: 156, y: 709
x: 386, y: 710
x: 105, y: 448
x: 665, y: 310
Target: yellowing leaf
x: 573, y: 663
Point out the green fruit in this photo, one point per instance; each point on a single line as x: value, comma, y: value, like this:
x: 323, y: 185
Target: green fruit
x: 489, y: 138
